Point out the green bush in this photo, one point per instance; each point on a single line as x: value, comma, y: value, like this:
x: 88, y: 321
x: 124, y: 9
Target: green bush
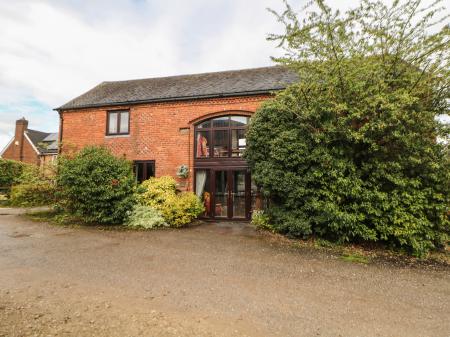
x: 349, y: 152
x: 33, y: 194
x: 10, y: 172
x: 155, y: 191
x: 178, y: 209
x: 146, y: 217
x: 96, y: 186
x: 25, y: 184
x: 261, y: 220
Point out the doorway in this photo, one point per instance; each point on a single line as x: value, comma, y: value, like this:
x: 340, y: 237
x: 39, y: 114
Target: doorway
x: 226, y: 193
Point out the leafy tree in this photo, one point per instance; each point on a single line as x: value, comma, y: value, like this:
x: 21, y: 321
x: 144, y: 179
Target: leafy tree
x: 350, y: 151
x: 96, y: 185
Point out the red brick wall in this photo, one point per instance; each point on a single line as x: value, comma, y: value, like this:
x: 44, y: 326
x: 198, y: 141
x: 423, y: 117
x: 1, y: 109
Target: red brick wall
x: 29, y: 155
x: 154, y: 129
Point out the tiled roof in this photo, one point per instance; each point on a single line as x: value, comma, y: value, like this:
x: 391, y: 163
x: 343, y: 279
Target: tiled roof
x: 206, y: 85
x: 46, y: 143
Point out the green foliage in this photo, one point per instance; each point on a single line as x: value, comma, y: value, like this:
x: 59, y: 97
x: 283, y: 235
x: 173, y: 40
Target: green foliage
x: 178, y: 209
x: 96, y: 186
x: 155, y: 191
x: 31, y: 194
x: 146, y: 217
x: 10, y: 171
x: 355, y: 258
x: 261, y: 220
x: 32, y: 188
x: 30, y: 174
x: 349, y: 152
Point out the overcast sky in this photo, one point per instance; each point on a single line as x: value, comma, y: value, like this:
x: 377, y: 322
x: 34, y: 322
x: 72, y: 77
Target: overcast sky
x: 54, y: 50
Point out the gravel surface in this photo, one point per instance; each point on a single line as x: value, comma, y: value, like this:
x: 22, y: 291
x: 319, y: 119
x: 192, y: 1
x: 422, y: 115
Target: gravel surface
x: 210, y: 280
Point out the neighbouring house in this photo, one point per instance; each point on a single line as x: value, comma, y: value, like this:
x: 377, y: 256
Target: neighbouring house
x: 195, y: 120
x: 31, y: 146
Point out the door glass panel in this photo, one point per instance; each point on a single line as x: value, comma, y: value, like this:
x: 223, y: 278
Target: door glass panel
x: 202, y: 144
x: 239, y: 121
x: 221, y: 143
x: 202, y: 189
x: 221, y: 194
x: 238, y: 142
x: 238, y: 194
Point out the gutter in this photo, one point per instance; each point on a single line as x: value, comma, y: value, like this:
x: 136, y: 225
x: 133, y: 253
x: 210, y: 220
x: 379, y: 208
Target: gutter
x: 172, y: 99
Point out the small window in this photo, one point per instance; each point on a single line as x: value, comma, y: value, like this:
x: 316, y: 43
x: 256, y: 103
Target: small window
x: 144, y: 170
x: 118, y: 123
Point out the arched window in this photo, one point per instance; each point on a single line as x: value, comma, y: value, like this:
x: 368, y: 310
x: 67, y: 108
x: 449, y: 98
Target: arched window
x: 221, y: 137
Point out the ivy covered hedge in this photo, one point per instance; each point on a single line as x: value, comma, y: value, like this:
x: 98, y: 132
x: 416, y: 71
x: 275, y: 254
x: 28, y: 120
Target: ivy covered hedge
x: 352, y: 151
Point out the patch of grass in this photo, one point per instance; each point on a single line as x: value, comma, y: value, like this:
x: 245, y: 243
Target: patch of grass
x: 355, y: 258
x: 4, y: 201
x: 4, y: 204
x: 53, y: 217
x: 364, y: 253
x: 318, y: 242
x: 56, y: 218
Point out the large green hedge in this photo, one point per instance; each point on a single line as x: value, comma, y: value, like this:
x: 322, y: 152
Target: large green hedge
x: 10, y: 172
x: 96, y: 186
x: 350, y: 152
x: 38, y: 193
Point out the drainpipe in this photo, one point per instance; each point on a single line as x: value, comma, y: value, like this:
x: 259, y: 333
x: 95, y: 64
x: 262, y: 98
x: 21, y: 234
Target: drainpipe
x: 61, y: 121
x: 189, y: 161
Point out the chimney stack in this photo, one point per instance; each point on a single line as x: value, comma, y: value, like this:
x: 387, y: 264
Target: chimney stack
x: 21, y: 127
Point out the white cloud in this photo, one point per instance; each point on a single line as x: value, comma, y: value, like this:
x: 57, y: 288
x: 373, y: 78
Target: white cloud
x: 54, y: 50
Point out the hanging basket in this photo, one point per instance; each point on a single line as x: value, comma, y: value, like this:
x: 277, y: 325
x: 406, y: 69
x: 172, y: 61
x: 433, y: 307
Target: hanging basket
x: 183, y: 171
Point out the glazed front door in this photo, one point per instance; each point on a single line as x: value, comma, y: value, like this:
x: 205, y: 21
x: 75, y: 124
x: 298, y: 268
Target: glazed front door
x: 231, y: 194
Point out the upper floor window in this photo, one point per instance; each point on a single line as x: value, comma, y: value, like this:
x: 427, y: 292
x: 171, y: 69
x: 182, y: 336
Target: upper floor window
x: 118, y: 122
x: 221, y: 137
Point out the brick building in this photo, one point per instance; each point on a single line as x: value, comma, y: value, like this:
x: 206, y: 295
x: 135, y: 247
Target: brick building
x: 194, y: 120
x: 31, y: 146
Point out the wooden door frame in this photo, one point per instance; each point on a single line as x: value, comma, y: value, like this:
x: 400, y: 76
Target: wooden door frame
x: 230, y: 180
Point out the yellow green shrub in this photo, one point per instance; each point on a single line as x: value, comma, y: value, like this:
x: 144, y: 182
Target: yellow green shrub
x: 177, y: 209
x: 180, y: 209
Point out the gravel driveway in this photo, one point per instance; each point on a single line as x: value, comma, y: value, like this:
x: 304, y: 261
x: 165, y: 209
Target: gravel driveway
x: 210, y: 280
